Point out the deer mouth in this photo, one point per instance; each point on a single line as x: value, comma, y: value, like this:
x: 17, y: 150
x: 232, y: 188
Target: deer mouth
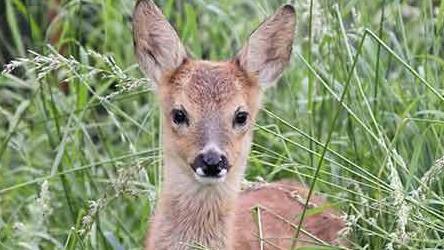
x: 212, y: 173
x: 204, y: 179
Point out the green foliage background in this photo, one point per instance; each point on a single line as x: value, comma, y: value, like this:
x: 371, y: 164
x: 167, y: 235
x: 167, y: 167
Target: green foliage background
x: 362, y: 102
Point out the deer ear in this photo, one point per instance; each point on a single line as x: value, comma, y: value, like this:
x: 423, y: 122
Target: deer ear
x: 158, y: 47
x: 268, y: 49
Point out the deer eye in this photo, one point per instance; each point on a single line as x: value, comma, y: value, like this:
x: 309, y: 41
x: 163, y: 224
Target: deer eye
x: 180, y: 117
x: 240, y: 119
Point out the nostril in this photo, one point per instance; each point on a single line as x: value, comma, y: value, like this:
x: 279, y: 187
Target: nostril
x: 210, y: 164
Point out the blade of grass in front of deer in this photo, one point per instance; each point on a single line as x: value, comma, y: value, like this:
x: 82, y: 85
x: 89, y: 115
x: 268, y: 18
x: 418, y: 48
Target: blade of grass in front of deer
x: 324, y: 149
x: 329, y: 149
x: 381, y: 184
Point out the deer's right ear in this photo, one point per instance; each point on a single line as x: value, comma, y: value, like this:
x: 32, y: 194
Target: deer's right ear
x: 158, y: 47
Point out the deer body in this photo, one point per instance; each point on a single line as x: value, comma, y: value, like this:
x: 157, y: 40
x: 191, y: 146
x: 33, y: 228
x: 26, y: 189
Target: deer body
x: 209, y: 109
x: 199, y: 216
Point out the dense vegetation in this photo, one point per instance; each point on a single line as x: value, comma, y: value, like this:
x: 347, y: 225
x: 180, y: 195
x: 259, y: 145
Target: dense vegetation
x: 359, y: 113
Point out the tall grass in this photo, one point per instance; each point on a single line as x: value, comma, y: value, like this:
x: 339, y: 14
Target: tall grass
x: 358, y: 117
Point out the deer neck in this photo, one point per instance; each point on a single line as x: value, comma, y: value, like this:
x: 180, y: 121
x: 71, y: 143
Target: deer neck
x: 190, y: 212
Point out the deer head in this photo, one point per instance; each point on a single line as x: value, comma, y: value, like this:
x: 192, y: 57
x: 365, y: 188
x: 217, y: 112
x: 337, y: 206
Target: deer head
x: 209, y: 108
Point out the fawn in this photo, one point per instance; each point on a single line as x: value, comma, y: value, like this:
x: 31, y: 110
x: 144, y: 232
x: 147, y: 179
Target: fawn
x: 209, y: 109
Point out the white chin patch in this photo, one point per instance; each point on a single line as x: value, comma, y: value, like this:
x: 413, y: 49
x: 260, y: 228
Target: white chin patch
x: 200, y: 177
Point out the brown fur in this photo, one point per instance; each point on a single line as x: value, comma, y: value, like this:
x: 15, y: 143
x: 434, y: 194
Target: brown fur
x: 280, y: 205
x: 217, y: 215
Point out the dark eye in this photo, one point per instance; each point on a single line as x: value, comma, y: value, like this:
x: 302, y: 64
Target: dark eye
x: 179, y: 117
x: 240, y: 118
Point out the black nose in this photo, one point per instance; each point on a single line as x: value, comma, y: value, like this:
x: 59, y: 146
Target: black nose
x: 210, y: 164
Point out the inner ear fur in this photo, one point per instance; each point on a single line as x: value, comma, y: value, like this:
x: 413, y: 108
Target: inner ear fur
x: 267, y: 51
x: 158, y: 47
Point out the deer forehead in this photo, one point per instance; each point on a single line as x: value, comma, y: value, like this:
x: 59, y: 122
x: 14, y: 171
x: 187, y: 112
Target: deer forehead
x: 210, y: 87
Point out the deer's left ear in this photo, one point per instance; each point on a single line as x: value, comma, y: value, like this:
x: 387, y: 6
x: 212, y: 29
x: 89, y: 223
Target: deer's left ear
x: 268, y: 49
